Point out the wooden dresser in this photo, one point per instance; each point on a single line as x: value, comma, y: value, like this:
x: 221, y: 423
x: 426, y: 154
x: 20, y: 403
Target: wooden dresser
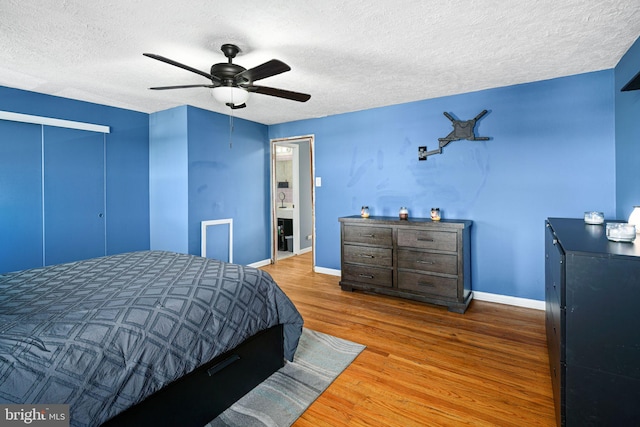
x: 591, y: 288
x: 418, y: 259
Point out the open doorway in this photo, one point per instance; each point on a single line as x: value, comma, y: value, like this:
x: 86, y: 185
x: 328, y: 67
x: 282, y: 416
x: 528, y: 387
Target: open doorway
x: 292, y: 201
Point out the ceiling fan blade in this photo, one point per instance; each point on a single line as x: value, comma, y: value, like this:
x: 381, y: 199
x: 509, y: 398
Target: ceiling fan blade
x: 180, y: 87
x: 280, y: 93
x: 268, y: 69
x: 183, y: 66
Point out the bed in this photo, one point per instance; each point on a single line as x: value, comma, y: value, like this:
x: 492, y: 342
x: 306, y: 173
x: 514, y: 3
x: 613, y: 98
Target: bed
x: 142, y: 338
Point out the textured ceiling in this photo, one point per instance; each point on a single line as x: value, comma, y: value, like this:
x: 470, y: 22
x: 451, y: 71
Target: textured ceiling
x: 349, y: 55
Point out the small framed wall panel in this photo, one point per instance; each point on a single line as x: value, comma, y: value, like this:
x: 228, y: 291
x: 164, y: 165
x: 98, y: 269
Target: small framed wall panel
x: 209, y: 223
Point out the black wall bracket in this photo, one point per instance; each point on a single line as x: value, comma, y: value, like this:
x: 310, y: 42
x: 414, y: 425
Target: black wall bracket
x: 634, y: 84
x: 462, y: 129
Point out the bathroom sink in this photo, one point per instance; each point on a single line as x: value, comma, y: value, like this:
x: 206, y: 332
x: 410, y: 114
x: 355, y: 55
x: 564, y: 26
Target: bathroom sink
x: 285, y: 212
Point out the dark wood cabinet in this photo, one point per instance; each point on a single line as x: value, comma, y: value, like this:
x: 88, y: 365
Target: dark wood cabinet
x: 592, y: 329
x: 419, y: 259
x: 285, y: 229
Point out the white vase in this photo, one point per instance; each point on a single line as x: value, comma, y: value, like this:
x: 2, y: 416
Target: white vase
x: 634, y: 218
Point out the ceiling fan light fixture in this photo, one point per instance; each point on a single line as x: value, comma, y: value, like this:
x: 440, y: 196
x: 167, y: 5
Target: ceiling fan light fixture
x: 232, y: 83
x: 230, y: 95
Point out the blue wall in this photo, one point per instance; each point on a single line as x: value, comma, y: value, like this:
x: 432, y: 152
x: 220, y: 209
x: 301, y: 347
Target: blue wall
x: 229, y: 178
x: 127, y: 171
x: 627, y: 134
x: 201, y: 171
x: 551, y: 153
x: 169, y: 180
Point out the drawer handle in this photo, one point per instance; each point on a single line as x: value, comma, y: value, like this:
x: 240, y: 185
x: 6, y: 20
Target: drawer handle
x: 366, y: 256
x: 365, y: 276
x: 368, y: 235
x: 220, y: 366
x: 424, y: 240
x: 424, y: 262
x: 428, y: 284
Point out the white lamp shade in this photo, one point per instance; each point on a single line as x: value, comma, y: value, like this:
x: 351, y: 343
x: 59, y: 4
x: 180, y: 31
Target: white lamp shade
x: 230, y: 95
x: 634, y: 218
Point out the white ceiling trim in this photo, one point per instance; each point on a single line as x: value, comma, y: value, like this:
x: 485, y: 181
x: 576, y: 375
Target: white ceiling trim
x: 49, y: 121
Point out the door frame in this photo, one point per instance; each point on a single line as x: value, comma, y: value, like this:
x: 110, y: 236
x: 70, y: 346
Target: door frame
x: 274, y: 217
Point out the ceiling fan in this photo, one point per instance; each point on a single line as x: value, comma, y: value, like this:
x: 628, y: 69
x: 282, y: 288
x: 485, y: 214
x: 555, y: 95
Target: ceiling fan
x: 232, y: 83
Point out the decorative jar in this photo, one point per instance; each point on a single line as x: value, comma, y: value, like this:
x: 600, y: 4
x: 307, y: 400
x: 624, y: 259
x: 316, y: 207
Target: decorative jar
x: 594, y: 218
x: 404, y: 213
x: 435, y: 214
x: 364, y: 212
x: 621, y: 232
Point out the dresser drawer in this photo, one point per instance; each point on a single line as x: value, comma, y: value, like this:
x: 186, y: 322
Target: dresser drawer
x: 556, y: 363
x: 427, y: 239
x: 380, y: 236
x: 554, y: 332
x: 381, y: 257
x: 426, y: 261
x: 428, y: 284
x: 552, y: 295
x: 369, y: 275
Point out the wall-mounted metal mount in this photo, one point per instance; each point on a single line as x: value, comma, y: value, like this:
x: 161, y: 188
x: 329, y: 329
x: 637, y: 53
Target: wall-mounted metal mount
x: 634, y: 84
x: 462, y: 129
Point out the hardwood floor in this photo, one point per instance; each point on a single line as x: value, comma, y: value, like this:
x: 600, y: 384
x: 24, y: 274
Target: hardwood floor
x: 423, y: 366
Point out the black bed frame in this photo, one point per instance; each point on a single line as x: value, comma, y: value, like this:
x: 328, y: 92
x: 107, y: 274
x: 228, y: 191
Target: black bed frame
x: 205, y: 393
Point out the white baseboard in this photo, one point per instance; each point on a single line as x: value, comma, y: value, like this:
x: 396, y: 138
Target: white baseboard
x: 505, y: 299
x: 329, y: 271
x: 259, y: 264
x: 264, y: 262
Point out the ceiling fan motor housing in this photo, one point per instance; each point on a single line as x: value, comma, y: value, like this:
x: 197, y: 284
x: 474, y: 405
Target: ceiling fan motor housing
x: 226, y: 72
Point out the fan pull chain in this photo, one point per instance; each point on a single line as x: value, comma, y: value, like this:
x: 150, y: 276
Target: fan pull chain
x: 230, y: 130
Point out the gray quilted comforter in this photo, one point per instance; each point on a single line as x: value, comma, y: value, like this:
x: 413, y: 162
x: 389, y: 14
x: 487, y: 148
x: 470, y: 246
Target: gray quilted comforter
x: 102, y: 334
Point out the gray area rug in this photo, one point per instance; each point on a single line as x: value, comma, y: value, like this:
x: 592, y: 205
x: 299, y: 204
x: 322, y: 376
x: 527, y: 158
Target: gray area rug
x: 284, y: 396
